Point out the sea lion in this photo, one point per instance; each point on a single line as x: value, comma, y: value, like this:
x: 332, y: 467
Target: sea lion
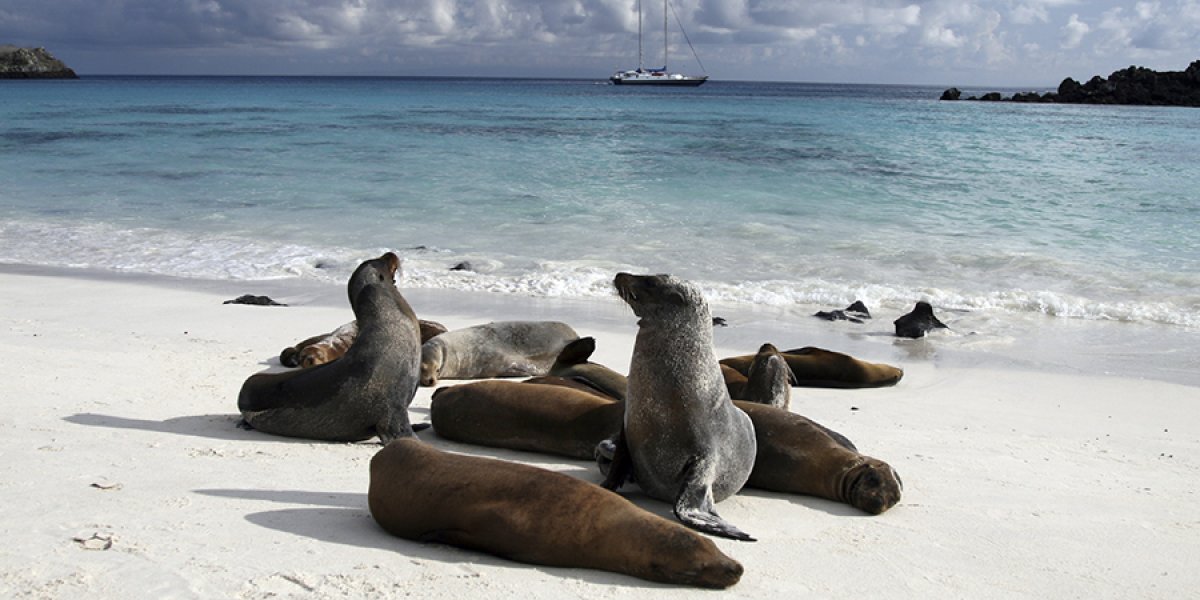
x: 855, y: 313
x: 817, y: 367
x: 363, y: 394
x: 769, y: 380
x: 794, y: 454
x: 532, y: 515
x: 543, y: 416
x: 799, y: 456
x: 573, y: 363
x: 500, y: 349
x: 318, y: 350
x: 327, y: 347
x: 682, y: 439
x: 918, y: 322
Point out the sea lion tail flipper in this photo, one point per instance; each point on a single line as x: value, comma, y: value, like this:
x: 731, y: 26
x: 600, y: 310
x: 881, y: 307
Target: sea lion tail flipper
x: 694, y: 506
x: 612, y: 456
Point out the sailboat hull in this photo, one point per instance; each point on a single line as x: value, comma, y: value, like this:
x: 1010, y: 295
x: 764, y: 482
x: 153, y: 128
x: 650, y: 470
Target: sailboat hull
x: 667, y: 80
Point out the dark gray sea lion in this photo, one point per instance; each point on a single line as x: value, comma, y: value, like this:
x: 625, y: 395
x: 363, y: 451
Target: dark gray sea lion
x: 534, y: 516
x: 855, y: 313
x: 682, y: 439
x: 551, y: 417
x: 769, y: 380
x: 918, y: 322
x: 500, y: 349
x: 799, y: 456
x: 573, y: 363
x: 363, y: 394
x: 817, y: 367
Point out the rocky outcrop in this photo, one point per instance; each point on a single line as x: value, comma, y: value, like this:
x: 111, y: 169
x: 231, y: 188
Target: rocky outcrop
x: 32, y: 63
x: 1135, y: 85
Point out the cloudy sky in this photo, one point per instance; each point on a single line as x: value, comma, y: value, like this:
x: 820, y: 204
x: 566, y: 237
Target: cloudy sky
x: 950, y: 42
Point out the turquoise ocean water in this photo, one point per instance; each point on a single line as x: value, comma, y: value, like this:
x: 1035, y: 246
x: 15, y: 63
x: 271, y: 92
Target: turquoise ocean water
x: 774, y: 197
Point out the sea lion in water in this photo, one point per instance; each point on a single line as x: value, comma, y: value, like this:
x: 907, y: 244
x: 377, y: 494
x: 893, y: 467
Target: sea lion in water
x: 918, y: 322
x: 799, y: 456
x: 542, y: 416
x: 573, y: 363
x: 535, y: 516
x: 817, y: 367
x: 500, y: 349
x: 682, y: 439
x: 367, y: 391
x: 328, y: 347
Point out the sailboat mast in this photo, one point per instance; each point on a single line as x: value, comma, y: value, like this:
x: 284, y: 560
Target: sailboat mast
x: 665, y: 43
x: 639, y: 3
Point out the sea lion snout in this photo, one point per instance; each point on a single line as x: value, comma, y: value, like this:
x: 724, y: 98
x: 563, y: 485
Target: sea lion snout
x: 719, y: 574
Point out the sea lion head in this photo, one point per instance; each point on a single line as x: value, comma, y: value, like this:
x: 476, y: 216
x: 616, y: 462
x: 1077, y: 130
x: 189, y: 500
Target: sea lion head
x: 433, y: 356
x: 873, y: 486
x: 376, y: 270
x: 770, y: 379
x: 314, y: 355
x: 684, y: 557
x: 659, y: 296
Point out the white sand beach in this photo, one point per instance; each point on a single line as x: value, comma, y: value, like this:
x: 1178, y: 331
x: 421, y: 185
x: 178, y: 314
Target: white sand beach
x: 123, y: 475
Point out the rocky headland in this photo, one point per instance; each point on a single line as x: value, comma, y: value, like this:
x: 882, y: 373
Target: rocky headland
x: 1134, y: 85
x: 32, y: 63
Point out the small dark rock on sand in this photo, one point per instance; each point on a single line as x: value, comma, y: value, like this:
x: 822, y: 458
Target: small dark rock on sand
x: 855, y: 313
x: 254, y: 300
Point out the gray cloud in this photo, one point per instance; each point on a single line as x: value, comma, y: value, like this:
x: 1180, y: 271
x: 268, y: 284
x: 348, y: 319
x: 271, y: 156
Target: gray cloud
x: 988, y: 41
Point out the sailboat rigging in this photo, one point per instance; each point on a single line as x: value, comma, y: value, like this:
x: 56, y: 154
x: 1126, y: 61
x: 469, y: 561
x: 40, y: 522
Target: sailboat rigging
x: 644, y: 76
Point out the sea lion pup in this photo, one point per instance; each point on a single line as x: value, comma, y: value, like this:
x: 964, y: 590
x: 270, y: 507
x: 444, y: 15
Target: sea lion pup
x: 536, y: 516
x: 320, y: 349
x: 799, y: 456
x: 328, y: 347
x: 363, y: 394
x: 573, y: 363
x: 918, y: 322
x: 682, y: 439
x: 817, y: 367
x: 555, y: 418
x: 769, y: 380
x: 500, y: 349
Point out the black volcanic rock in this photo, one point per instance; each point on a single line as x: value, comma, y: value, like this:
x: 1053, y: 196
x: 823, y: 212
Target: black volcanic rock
x: 918, y: 322
x: 32, y: 63
x: 1134, y: 85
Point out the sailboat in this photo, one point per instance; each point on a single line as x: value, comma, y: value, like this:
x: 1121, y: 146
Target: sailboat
x: 644, y: 76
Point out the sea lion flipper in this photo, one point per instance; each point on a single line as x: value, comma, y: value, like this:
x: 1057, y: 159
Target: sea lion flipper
x: 842, y: 440
x: 576, y: 352
x: 694, y: 506
x: 612, y: 456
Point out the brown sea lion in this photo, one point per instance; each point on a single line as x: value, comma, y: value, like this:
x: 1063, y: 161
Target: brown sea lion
x: 817, y: 367
x: 363, y: 394
x: 552, y: 417
x: 573, y: 363
x: 500, y: 349
x: 535, y: 516
x: 799, y: 456
x: 794, y: 454
x: 682, y: 439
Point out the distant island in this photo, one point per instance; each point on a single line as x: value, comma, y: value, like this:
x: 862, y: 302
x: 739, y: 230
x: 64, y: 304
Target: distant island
x: 1135, y: 85
x: 31, y: 63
